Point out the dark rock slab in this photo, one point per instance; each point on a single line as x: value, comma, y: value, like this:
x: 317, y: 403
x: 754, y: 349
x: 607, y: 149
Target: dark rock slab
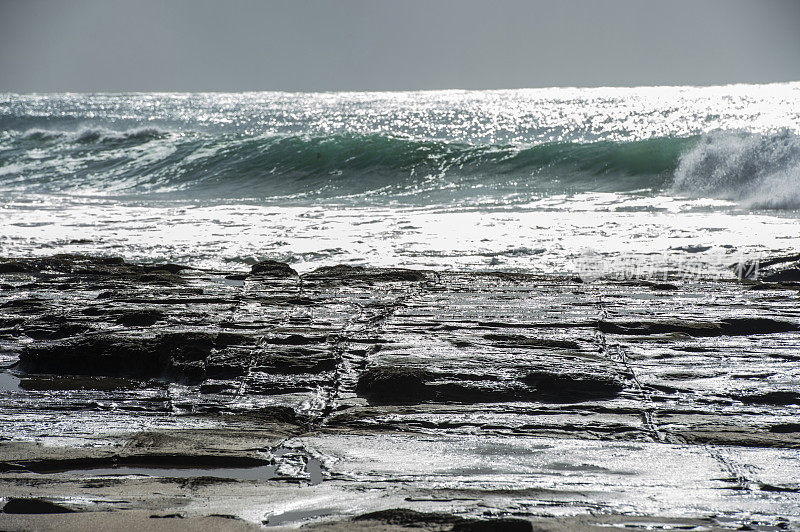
x: 273, y: 268
x: 783, y: 259
x: 402, y: 385
x: 408, y: 517
x: 297, y: 339
x: 723, y: 327
x: 143, y: 458
x: 275, y: 414
x: 177, y: 355
x: 53, y: 383
x: 140, y: 318
x: 785, y: 428
x: 518, y: 340
x: 347, y: 273
x: 34, y: 506
x: 84, y: 265
x: 165, y: 268
x: 782, y: 276
x: 53, y: 328
x: 295, y: 360
x: 777, y: 398
x: 394, y: 385
x: 63, y: 264
x: 572, y: 387
x: 506, y: 524
x: 414, y: 519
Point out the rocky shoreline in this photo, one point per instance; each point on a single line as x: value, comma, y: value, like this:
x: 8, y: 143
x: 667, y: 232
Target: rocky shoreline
x: 379, y: 397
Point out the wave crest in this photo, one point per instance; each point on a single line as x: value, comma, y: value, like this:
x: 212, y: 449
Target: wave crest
x: 91, y: 135
x: 756, y: 170
x: 330, y: 165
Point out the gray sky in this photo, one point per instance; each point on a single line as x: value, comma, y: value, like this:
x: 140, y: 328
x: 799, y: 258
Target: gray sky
x: 198, y: 45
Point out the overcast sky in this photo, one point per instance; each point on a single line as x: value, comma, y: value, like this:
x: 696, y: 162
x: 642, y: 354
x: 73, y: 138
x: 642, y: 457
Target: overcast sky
x: 309, y: 45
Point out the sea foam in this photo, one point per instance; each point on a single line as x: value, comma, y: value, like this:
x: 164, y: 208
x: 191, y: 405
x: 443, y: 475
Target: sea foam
x: 757, y: 170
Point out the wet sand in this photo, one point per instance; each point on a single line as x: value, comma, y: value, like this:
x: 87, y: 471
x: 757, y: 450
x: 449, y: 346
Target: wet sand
x: 141, y: 395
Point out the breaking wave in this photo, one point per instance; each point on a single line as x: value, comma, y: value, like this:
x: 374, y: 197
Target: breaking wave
x: 94, y: 135
x: 153, y: 160
x: 757, y: 170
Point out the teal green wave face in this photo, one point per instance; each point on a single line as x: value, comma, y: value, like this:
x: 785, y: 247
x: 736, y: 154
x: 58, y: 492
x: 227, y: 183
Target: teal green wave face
x: 326, y: 165
x: 531, y: 180
x: 446, y: 147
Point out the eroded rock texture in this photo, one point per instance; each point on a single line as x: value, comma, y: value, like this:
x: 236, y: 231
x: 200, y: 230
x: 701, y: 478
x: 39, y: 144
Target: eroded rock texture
x: 516, y: 393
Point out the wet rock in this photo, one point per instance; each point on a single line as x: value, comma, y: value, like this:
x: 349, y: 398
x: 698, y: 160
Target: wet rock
x: 479, y: 391
x: 225, y: 366
x: 53, y: 383
x: 273, y: 268
x: 296, y: 339
x: 295, y: 360
x: 165, y: 268
x: 780, y: 489
x: 773, y: 269
x: 783, y: 259
x: 407, y: 517
x: 140, y: 318
x: 572, y: 387
x: 147, y: 458
x: 34, y: 506
x: 275, y: 414
x: 782, y: 276
x: 63, y: 264
x: 159, y: 278
x: 179, y: 356
x: 733, y: 434
x: 506, y: 524
x: 653, y: 285
x: 25, y: 305
x: 228, y: 387
x: 185, y: 354
x: 661, y: 286
x: 344, y: 272
x: 518, y: 340
x: 10, y: 322
x: 11, y: 266
x: 391, y: 385
x: 785, y: 428
x: 778, y: 398
x: 93, y: 265
x: 725, y: 327
x: 91, y: 356
x: 53, y: 328
x: 225, y: 339
x: 402, y: 385
x: 466, y: 358
x: 413, y: 519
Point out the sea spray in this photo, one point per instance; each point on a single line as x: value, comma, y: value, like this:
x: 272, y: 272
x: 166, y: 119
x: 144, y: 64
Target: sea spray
x: 758, y: 170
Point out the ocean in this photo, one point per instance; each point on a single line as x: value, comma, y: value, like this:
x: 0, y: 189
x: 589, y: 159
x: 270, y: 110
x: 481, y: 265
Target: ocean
x: 441, y: 390
x: 642, y: 181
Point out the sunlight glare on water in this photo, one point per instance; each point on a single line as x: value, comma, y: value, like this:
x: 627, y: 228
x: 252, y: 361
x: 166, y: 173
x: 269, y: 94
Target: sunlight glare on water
x: 515, y: 179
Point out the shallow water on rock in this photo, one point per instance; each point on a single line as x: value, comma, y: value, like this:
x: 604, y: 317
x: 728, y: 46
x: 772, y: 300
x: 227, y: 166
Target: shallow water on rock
x: 240, y: 473
x: 356, y: 390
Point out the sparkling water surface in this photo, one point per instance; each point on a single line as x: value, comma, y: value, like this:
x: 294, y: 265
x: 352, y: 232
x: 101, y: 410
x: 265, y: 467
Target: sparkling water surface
x: 525, y: 180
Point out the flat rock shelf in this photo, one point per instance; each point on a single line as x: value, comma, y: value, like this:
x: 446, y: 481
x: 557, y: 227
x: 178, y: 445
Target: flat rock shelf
x: 356, y: 398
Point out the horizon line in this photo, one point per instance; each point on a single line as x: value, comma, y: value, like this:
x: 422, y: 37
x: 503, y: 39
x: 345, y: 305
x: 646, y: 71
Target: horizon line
x: 398, y: 91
